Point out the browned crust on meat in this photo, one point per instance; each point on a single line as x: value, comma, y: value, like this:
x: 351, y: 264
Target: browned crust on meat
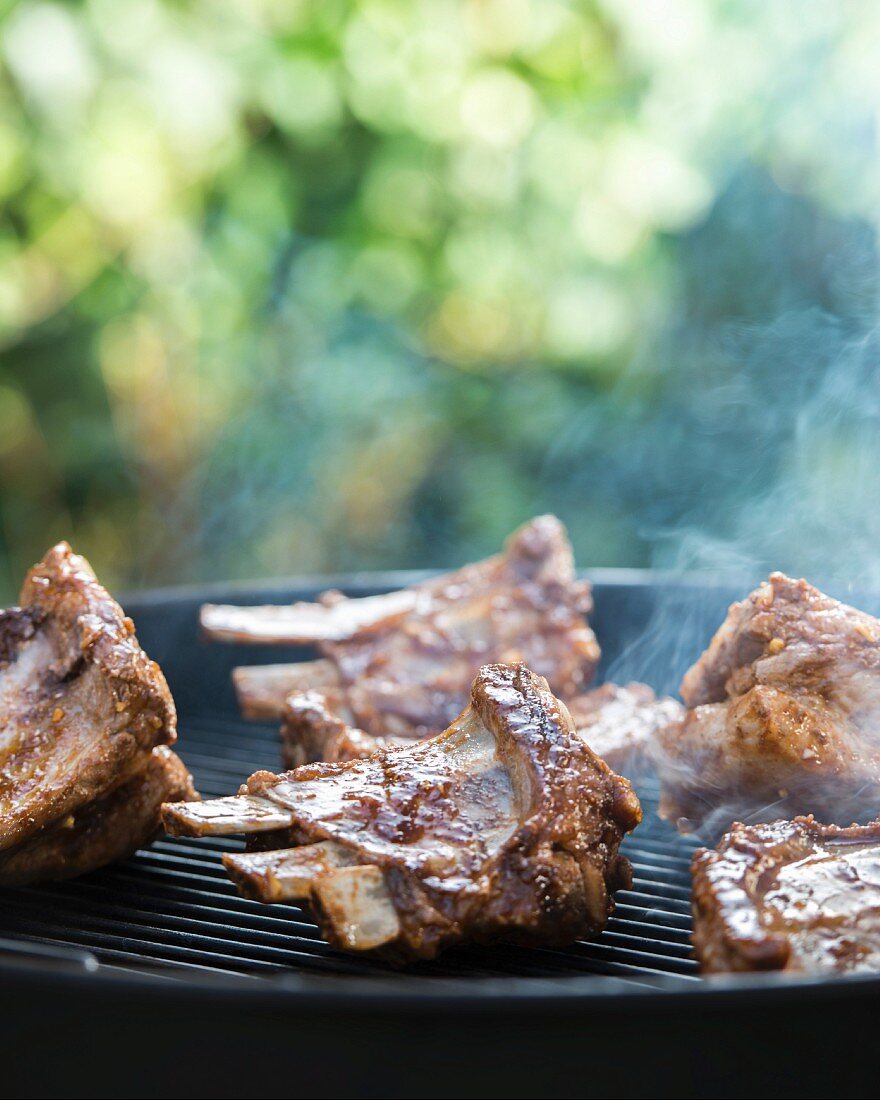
x: 780, y: 613
x: 535, y: 571
x: 781, y: 710
x: 621, y: 723
x: 550, y: 882
x: 17, y: 625
x: 406, y: 671
x: 618, y: 722
x: 262, y: 690
x: 312, y: 730
x: 116, y: 691
x: 112, y: 828
x: 563, y: 861
x: 730, y: 934
x: 63, y: 588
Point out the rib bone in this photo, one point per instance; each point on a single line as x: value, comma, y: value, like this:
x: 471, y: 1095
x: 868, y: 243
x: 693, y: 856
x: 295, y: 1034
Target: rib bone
x: 357, y: 906
x: 287, y: 874
x: 304, y: 623
x: 263, y: 689
x: 224, y: 816
x: 404, y: 662
x: 505, y: 826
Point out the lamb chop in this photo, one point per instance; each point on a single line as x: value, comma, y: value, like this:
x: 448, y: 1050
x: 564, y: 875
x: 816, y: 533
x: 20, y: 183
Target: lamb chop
x: 312, y: 730
x: 263, y: 690
x: 82, y: 709
x: 103, y: 831
x: 792, y: 895
x: 618, y: 723
x: 784, y: 715
x: 401, y: 664
x: 504, y: 827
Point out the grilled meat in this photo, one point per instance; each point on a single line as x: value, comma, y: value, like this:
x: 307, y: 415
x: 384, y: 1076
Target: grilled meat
x: 103, y: 831
x: 792, y: 895
x: 618, y: 723
x: 333, y: 618
x: 504, y: 827
x: 263, y: 690
x: 312, y: 729
x: 400, y: 665
x: 784, y: 715
x: 81, y: 710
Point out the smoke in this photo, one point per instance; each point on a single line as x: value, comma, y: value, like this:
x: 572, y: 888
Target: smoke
x: 809, y: 450
x: 755, y: 445
x: 746, y: 437
x: 771, y: 466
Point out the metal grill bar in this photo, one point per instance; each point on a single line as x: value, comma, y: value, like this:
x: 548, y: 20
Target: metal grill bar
x: 172, y: 910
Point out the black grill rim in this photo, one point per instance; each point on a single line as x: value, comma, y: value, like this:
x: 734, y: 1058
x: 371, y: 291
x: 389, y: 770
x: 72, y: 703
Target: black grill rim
x: 513, y: 995
x: 67, y: 971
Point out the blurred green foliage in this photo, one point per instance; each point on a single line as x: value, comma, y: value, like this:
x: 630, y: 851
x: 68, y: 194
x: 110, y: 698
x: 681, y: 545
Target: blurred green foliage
x: 308, y: 286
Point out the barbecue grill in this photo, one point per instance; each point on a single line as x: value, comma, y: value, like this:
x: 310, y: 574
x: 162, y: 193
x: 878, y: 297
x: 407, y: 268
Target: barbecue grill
x: 152, y: 976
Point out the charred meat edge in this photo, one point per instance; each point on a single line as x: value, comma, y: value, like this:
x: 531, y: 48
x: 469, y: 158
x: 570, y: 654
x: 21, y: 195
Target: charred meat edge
x: 729, y: 883
x: 104, y: 831
x: 61, y: 594
x: 550, y: 882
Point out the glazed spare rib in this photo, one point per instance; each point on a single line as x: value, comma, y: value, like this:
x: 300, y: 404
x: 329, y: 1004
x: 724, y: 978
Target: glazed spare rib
x: 619, y: 723
x: 791, y: 895
x: 504, y: 827
x: 83, y: 714
x: 401, y: 664
x: 783, y: 715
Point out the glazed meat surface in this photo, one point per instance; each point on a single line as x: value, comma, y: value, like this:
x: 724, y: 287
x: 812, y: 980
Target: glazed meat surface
x: 263, y: 690
x: 312, y: 730
x: 619, y: 723
x: 401, y: 665
x: 101, y: 832
x: 504, y: 827
x: 792, y: 895
x: 81, y: 705
x: 783, y: 715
